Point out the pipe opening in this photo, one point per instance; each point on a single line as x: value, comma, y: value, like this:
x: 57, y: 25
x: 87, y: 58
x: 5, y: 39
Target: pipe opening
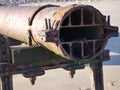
x: 98, y: 20
x: 66, y: 21
x: 87, y: 17
x: 76, y: 17
x: 81, y: 33
x: 67, y: 48
x: 88, y: 49
x: 76, y: 50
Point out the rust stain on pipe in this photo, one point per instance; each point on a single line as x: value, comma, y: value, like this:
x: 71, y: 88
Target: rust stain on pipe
x: 75, y: 32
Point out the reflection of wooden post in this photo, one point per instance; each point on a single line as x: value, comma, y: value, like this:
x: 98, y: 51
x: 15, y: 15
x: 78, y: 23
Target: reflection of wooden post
x: 97, y: 76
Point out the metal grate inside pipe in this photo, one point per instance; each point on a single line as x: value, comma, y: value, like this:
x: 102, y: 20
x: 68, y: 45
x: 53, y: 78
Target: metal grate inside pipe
x: 81, y: 33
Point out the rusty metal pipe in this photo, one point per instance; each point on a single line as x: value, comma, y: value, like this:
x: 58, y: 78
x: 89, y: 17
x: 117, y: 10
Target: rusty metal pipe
x: 74, y: 32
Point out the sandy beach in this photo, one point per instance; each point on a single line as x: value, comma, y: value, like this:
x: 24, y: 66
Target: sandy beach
x: 59, y: 79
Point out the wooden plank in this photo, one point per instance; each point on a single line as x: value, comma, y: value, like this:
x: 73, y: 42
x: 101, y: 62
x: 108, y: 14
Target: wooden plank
x: 6, y: 83
x: 97, y: 76
x: 29, y: 54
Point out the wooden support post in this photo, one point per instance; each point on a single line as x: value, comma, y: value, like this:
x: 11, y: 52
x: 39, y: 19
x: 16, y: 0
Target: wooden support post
x: 6, y: 83
x: 97, y: 76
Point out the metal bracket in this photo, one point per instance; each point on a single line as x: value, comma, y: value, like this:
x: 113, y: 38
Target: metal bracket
x: 30, y: 22
x: 111, y: 31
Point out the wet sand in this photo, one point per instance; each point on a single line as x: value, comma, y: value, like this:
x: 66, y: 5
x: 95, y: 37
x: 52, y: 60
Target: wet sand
x: 59, y: 79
